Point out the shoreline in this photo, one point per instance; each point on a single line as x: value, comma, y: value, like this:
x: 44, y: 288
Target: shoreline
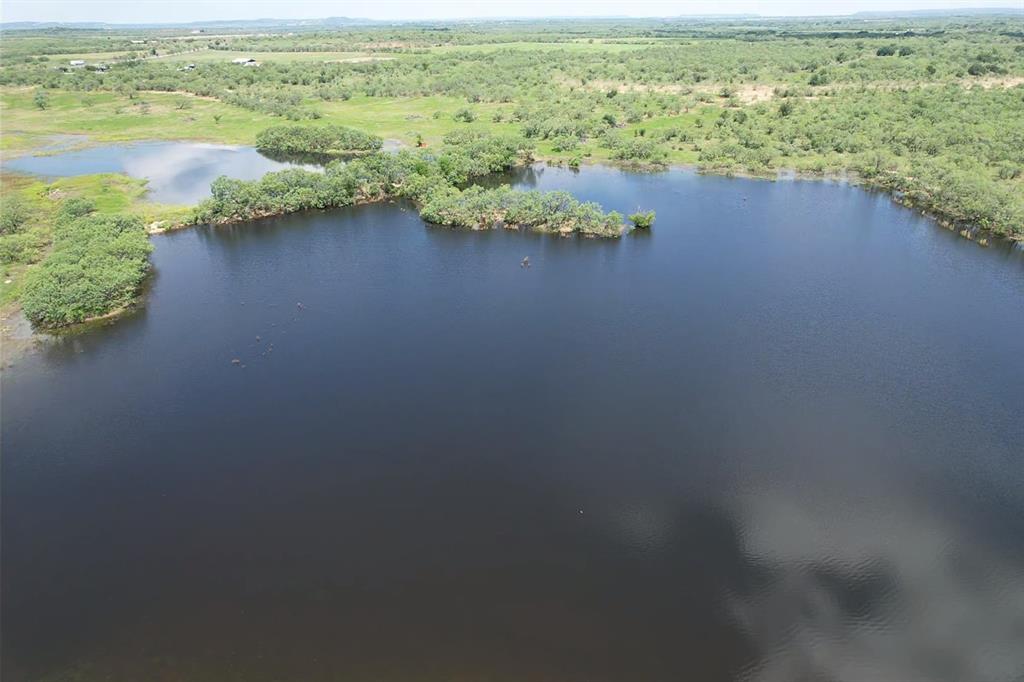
x: 15, y: 340
x: 971, y: 232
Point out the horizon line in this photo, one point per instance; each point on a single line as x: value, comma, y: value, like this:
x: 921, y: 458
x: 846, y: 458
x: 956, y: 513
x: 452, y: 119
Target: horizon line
x: 486, y: 19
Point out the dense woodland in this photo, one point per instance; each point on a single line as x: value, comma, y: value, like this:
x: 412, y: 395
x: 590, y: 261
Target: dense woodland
x: 930, y: 110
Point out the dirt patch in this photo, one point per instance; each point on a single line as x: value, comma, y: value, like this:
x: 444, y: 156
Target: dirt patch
x: 385, y: 45
x: 360, y: 60
x: 989, y: 82
x: 753, y: 93
x: 181, y: 93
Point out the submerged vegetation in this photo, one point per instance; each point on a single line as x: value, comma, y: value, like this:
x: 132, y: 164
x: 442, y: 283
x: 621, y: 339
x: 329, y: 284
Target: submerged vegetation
x: 642, y: 220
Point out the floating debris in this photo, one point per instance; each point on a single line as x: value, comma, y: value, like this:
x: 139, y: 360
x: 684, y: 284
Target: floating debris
x: 300, y: 306
x: 525, y: 263
x: 258, y: 338
x: 236, y: 361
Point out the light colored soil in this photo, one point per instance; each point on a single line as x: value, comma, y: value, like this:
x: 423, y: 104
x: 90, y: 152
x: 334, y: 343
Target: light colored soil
x: 990, y: 82
x: 360, y: 60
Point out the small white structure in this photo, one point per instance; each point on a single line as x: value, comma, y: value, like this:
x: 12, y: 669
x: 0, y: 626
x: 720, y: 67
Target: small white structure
x: 77, y: 62
x: 245, y: 61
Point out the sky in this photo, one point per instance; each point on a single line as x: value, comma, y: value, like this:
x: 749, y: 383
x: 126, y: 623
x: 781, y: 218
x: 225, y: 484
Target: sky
x: 166, y: 11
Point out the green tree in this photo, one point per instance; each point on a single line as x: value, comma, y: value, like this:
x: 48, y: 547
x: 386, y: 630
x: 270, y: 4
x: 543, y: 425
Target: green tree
x: 642, y: 220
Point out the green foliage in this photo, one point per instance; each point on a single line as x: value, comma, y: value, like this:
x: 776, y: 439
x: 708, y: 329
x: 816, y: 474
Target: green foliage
x: 559, y: 212
x: 429, y: 179
x: 954, y: 152
x: 642, y: 220
x: 635, y: 150
x: 97, y: 266
x: 465, y: 115
x: 330, y: 139
x: 13, y: 214
x: 41, y: 100
x: 819, y: 77
x: 581, y: 90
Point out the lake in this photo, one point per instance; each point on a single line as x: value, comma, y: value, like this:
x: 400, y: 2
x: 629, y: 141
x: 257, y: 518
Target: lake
x: 777, y: 438
x: 178, y: 172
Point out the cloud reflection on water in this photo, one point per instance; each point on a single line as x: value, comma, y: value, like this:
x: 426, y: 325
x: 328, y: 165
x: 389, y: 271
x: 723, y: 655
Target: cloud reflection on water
x: 876, y: 590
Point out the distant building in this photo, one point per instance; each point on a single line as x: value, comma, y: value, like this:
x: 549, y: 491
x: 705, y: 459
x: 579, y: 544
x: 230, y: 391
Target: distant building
x: 77, y: 62
x: 245, y: 61
x: 138, y: 42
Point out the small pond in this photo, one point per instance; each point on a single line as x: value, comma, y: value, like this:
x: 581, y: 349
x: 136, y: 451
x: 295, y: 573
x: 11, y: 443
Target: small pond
x: 178, y: 172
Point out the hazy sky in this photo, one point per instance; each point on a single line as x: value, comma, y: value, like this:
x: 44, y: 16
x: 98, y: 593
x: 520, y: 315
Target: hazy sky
x: 196, y: 10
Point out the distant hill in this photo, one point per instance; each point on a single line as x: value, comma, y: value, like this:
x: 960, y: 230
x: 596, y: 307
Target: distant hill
x: 328, y: 22
x: 340, y: 22
x: 931, y: 13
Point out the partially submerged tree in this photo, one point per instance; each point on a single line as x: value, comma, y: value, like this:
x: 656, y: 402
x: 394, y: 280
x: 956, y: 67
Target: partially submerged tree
x: 642, y: 220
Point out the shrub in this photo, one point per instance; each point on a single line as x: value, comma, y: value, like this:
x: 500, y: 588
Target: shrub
x: 13, y: 214
x: 330, y: 139
x: 465, y: 115
x: 97, y: 266
x: 642, y: 220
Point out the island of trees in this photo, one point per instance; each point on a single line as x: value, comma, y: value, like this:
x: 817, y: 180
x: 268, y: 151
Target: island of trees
x: 321, y: 140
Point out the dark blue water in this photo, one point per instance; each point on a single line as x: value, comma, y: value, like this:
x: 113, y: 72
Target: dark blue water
x: 778, y: 438
x: 178, y: 172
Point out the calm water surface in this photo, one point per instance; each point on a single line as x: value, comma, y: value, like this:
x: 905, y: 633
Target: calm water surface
x: 780, y: 438
x: 178, y: 172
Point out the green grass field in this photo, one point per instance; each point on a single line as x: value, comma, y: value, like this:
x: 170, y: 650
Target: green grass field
x: 109, y: 117
x: 91, y: 57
